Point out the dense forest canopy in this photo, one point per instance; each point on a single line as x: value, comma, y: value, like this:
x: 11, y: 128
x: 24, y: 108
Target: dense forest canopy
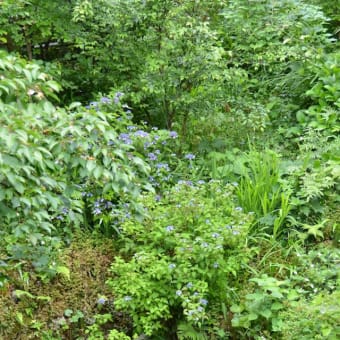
x: 169, y: 169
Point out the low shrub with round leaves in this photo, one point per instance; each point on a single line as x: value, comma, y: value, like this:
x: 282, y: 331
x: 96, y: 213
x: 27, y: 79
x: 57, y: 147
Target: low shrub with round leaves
x: 178, y: 262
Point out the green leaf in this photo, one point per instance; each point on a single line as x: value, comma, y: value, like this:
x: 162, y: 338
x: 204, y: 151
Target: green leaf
x: 97, y: 173
x: 276, y: 306
x: 21, y: 293
x: 20, y: 318
x: 266, y: 313
x: 236, y: 309
x: 68, y: 312
x: 14, y: 180
x: 252, y: 316
x: 64, y: 271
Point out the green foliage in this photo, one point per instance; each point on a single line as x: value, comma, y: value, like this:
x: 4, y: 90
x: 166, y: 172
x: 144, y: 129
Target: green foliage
x: 312, y: 178
x: 187, y: 331
x: 325, y: 93
x: 31, y: 26
x: 30, y: 193
x: 260, y: 310
x: 49, y: 156
x: 180, y: 264
x: 94, y: 331
x: 318, y: 318
x: 257, y: 178
x: 116, y: 335
x: 259, y: 191
x: 217, y: 224
x: 180, y: 76
x: 316, y: 271
x: 263, y: 37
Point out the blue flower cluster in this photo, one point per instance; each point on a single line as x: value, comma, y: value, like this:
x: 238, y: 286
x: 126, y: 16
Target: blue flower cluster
x: 101, y: 205
x: 64, y: 212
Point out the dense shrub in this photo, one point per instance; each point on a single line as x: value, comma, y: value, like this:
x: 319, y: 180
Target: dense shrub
x: 49, y: 157
x: 176, y: 267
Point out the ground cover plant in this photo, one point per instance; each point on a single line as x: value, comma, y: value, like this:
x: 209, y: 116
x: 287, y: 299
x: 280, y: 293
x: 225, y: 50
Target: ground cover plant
x: 169, y: 170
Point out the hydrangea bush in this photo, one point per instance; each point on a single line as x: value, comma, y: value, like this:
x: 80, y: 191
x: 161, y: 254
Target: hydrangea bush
x: 53, y: 163
x: 178, y: 262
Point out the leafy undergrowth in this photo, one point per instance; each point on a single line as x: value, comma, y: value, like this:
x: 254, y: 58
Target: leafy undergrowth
x: 65, y: 306
x: 204, y: 174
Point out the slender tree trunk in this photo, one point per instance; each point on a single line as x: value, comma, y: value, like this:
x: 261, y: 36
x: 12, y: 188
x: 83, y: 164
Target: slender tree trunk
x: 10, y: 45
x: 28, y: 44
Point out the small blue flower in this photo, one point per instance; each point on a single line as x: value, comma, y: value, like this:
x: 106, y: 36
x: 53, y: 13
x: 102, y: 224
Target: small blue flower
x: 105, y: 100
x: 200, y: 309
x: 152, y: 156
x: 236, y: 232
x: 97, y: 211
x: 215, y: 235
x: 204, y: 302
x: 164, y: 166
x: 141, y: 133
x: 172, y: 266
x: 173, y: 134
x: 131, y: 128
x: 178, y: 292
x: 238, y: 209
x: 190, y: 285
x: 108, y: 204
x: 116, y: 99
x: 125, y: 137
x: 201, y: 182
x: 127, y: 298
x: 190, y: 156
x: 102, y: 300
x: 170, y: 228
x: 215, y: 265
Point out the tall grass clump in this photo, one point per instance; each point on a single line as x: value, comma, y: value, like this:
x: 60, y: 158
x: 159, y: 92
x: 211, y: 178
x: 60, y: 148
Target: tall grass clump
x: 259, y: 191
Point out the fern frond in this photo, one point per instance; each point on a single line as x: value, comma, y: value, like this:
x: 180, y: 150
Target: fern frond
x: 187, y: 331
